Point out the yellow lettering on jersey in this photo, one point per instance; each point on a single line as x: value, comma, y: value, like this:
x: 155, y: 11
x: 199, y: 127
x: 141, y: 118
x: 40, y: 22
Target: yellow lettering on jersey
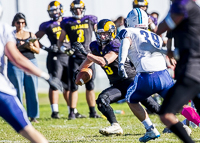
x: 108, y: 69
x: 80, y: 26
x: 56, y: 29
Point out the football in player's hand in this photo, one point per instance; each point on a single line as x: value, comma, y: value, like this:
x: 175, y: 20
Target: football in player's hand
x: 83, y: 76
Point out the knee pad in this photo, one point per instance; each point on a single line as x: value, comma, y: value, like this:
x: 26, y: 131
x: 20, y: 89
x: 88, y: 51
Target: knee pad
x: 103, y: 103
x: 151, y: 105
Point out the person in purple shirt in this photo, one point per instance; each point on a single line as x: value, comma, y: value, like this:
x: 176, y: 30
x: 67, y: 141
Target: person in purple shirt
x: 184, y: 21
x: 79, y: 28
x: 57, y: 62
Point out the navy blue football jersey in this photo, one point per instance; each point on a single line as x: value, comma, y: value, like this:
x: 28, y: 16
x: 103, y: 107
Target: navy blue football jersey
x: 80, y: 30
x: 111, y: 70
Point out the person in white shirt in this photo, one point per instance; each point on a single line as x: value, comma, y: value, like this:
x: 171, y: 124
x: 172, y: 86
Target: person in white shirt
x: 141, y: 46
x: 10, y: 107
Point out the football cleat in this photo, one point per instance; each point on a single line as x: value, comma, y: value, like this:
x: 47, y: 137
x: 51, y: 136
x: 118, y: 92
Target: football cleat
x: 94, y: 115
x: 188, y: 130
x: 151, y: 134
x: 55, y: 115
x: 114, y: 129
x: 166, y: 130
x: 71, y: 116
x: 78, y: 115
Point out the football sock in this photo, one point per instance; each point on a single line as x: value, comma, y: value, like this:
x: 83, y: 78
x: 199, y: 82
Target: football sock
x: 92, y: 110
x: 179, y: 130
x: 147, y: 123
x: 75, y: 111
x: 190, y: 114
x: 54, y: 107
x: 72, y: 110
x: 68, y: 108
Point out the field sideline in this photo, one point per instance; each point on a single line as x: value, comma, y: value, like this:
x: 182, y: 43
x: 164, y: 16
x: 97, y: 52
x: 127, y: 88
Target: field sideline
x: 86, y: 130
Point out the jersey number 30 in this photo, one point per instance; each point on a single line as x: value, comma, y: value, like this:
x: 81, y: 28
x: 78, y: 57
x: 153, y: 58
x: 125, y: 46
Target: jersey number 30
x: 154, y: 37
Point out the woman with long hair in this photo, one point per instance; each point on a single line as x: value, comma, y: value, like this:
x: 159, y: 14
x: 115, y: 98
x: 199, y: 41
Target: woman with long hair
x: 28, y: 47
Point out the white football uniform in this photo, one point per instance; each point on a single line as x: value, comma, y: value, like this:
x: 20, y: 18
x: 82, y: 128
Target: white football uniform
x: 150, y: 64
x: 11, y: 108
x: 6, y: 35
x: 143, y: 51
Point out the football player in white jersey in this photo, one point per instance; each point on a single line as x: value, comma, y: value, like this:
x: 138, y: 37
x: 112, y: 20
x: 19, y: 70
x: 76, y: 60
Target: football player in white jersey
x: 141, y: 46
x: 10, y: 107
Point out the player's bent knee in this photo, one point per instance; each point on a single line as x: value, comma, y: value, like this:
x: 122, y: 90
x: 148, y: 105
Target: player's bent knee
x: 103, y: 103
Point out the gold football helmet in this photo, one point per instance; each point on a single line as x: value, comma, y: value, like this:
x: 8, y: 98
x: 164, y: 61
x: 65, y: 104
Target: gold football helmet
x: 55, y: 10
x: 77, y: 4
x: 105, y: 25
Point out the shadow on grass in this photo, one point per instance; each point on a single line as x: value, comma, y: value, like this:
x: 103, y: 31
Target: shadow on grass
x: 114, y: 135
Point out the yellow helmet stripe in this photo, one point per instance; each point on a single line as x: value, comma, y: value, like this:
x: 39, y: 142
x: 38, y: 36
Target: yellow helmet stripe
x: 72, y: 5
x: 107, y: 25
x: 56, y: 3
x: 141, y: 3
x: 82, y: 4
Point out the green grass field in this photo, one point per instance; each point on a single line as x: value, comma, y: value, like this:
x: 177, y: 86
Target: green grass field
x: 87, y: 130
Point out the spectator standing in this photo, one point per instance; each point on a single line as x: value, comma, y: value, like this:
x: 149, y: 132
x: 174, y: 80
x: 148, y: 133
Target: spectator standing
x: 18, y: 77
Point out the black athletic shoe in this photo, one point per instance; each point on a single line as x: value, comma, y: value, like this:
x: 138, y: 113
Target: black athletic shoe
x: 55, y: 115
x: 78, y: 115
x: 71, y: 116
x: 95, y: 115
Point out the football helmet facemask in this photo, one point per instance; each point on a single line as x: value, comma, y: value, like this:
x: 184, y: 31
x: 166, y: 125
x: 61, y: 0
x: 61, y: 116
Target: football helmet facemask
x: 140, y: 3
x: 137, y: 18
x: 55, y: 10
x: 106, y: 27
x: 77, y: 4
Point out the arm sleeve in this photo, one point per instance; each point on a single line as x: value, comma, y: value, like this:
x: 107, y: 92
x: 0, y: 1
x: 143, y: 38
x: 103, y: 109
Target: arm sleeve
x: 123, y: 50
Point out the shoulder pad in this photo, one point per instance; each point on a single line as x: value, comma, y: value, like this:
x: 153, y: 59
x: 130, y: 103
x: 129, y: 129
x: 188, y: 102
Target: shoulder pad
x: 122, y: 34
x: 91, y: 18
x: 45, y: 25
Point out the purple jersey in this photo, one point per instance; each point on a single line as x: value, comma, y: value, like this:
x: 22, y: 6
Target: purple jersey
x: 111, y: 70
x: 187, y: 38
x: 52, y: 29
x: 80, y: 30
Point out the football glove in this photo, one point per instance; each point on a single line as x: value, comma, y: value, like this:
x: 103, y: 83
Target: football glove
x: 79, y: 47
x: 68, y: 51
x: 55, y: 83
x: 52, y: 48
x: 121, y: 71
